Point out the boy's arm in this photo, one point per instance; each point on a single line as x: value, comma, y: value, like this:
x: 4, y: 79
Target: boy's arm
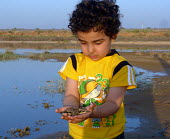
x: 71, y: 97
x: 113, y: 102
x: 110, y: 107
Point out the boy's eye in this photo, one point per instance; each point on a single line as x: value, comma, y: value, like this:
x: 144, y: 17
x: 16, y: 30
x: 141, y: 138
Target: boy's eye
x: 98, y: 43
x: 83, y: 43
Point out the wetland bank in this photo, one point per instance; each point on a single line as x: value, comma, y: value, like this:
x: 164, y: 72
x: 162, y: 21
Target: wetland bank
x: 31, y: 89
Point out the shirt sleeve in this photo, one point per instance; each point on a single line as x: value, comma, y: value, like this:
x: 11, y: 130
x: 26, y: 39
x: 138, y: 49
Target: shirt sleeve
x: 124, y: 77
x: 68, y: 70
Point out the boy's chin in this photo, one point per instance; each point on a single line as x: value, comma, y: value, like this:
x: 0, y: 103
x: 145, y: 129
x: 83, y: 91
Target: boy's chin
x: 95, y: 59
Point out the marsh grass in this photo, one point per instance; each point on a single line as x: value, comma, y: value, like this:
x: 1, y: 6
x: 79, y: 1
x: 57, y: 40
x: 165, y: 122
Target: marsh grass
x: 61, y: 85
x: 61, y: 57
x: 47, y: 55
x: 53, y: 87
x: 9, y: 55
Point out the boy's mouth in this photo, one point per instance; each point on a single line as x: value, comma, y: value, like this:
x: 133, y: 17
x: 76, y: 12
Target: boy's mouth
x: 92, y: 57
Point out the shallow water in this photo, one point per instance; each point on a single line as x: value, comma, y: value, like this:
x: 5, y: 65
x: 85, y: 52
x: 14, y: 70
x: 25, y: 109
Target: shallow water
x: 21, y: 97
x: 28, y: 51
x: 143, y: 75
x: 132, y: 124
x: 24, y: 88
x: 143, y: 50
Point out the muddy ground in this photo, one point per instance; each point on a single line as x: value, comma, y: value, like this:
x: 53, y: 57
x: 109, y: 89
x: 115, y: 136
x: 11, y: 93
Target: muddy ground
x: 151, y: 103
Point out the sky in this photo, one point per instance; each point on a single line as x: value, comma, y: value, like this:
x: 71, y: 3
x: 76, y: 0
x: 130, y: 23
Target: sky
x: 54, y: 14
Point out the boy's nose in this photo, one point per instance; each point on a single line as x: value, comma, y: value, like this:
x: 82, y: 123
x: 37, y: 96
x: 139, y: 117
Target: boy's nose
x: 91, y: 49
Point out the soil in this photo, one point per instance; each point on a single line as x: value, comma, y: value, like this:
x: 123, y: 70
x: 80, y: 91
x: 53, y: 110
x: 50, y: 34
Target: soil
x: 119, y: 43
x: 151, y: 103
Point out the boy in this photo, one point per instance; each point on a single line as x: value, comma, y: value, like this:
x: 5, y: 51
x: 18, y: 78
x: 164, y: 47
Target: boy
x: 97, y: 78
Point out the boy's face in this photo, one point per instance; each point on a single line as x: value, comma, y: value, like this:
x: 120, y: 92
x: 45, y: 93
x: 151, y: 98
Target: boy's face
x: 94, y: 45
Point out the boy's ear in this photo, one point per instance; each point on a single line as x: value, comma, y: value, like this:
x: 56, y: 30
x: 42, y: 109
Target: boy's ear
x: 114, y: 36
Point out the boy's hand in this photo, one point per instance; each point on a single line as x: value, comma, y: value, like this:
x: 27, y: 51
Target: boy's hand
x: 60, y: 110
x: 81, y: 117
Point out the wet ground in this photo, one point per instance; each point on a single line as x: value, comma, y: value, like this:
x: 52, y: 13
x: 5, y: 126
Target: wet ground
x: 25, y: 99
x: 151, y: 102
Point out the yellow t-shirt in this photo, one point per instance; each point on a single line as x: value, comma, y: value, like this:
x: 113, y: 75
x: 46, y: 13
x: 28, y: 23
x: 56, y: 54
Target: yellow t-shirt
x: 94, y: 80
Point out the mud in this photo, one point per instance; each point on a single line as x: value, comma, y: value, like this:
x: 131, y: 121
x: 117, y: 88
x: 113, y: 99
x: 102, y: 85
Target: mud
x: 74, y: 111
x: 150, y: 103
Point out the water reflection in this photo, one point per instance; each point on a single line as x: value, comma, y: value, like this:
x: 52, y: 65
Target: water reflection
x: 132, y: 124
x: 146, y: 75
x: 21, y: 100
x: 28, y: 51
x: 141, y: 50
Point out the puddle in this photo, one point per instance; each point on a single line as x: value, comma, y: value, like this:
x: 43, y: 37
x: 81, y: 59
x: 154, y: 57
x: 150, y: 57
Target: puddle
x: 28, y: 51
x: 2, y: 50
x: 144, y: 77
x: 132, y: 124
x: 147, y: 74
x: 22, y: 101
x: 141, y: 50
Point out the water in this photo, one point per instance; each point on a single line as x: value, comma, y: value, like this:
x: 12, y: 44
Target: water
x: 145, y: 76
x: 132, y: 124
x: 142, y: 50
x: 22, y: 97
x: 28, y: 51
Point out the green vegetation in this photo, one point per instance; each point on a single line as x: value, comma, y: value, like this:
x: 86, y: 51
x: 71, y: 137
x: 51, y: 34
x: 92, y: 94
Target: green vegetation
x: 53, y: 87
x: 9, y: 55
x: 46, y: 55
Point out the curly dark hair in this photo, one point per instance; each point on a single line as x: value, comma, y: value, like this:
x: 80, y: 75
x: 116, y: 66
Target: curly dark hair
x: 97, y: 15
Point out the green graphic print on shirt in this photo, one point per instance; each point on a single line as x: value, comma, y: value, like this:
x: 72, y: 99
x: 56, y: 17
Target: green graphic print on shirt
x: 95, y: 90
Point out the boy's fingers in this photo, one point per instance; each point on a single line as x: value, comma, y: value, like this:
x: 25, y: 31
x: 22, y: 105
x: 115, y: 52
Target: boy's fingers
x: 93, y: 104
x: 57, y: 110
x: 60, y: 110
x: 91, y: 107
